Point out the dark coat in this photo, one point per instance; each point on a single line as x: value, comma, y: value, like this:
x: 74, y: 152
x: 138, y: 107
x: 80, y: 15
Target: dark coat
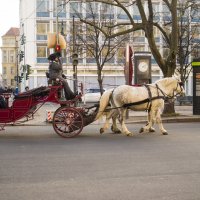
x: 2, y: 90
x: 55, y: 70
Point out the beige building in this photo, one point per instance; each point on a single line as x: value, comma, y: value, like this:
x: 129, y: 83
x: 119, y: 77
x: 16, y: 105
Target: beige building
x: 39, y: 17
x: 9, y: 57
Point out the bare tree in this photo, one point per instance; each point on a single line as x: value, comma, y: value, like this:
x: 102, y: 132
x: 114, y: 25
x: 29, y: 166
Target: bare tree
x: 93, y: 43
x: 187, y: 37
x: 148, y: 22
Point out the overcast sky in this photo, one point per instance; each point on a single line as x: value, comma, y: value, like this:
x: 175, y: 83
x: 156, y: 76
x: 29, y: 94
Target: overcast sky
x: 9, y: 17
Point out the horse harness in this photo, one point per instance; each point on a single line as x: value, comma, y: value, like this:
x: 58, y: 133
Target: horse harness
x: 148, y: 100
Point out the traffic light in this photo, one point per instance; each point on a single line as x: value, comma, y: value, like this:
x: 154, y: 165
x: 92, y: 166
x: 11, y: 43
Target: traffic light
x: 24, y: 68
x: 75, y: 59
x: 21, y: 56
x: 20, y: 79
x: 57, y: 48
x: 27, y: 76
x: 23, y: 39
x: 28, y: 67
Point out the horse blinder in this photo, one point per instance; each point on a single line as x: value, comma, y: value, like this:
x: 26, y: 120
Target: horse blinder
x: 181, y: 84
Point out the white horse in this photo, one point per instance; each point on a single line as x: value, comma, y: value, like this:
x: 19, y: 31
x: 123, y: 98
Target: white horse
x: 148, y: 97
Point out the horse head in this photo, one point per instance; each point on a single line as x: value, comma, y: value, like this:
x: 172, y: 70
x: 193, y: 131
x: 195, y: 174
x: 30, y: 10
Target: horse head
x: 179, y: 89
x: 170, y: 87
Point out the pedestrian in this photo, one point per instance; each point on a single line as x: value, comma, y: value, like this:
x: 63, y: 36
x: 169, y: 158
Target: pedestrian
x: 26, y: 88
x: 56, y: 72
x: 3, y: 89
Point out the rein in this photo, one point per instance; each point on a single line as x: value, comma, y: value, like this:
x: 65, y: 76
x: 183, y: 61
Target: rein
x: 174, y: 95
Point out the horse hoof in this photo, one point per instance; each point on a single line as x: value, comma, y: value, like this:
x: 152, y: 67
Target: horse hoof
x: 165, y: 133
x: 141, y: 130
x: 101, y: 130
x: 151, y: 130
x: 117, y: 132
x: 112, y: 129
x: 129, y: 134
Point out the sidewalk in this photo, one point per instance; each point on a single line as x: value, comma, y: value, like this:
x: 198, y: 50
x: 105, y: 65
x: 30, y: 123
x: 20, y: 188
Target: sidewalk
x: 184, y: 114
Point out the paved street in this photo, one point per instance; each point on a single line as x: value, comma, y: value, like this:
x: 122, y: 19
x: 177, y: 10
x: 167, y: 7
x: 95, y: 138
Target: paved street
x: 38, y: 164
x: 40, y: 116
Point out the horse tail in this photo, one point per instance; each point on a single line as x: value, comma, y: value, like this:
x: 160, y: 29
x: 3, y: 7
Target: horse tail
x: 103, y: 103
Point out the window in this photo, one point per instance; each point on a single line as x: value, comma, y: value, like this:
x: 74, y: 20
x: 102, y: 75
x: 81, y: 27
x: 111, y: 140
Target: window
x: 42, y: 30
x: 12, y: 70
x: 60, y: 27
x: 75, y: 8
x: 121, y: 14
x: 4, y: 70
x: 120, y: 55
x: 166, y: 13
x: 42, y: 8
x: 61, y: 8
x: 90, y: 56
x: 5, y: 60
x: 92, y: 10
x: 42, y: 54
x: 135, y: 10
x: 12, y: 82
x: 12, y: 56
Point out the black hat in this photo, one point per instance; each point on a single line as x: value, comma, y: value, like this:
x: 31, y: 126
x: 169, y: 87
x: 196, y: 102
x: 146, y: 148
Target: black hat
x: 55, y: 55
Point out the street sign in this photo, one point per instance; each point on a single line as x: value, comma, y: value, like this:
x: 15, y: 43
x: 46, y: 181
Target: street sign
x: 196, y: 86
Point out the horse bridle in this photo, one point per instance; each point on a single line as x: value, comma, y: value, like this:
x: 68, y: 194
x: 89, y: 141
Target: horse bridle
x: 166, y: 96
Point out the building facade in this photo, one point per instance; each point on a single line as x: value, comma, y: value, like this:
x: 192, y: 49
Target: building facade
x: 40, y: 17
x: 9, y: 50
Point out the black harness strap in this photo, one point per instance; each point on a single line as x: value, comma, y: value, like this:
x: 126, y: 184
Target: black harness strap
x: 143, y: 101
x: 150, y: 97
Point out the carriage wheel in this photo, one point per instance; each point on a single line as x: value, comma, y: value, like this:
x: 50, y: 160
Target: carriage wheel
x: 67, y: 122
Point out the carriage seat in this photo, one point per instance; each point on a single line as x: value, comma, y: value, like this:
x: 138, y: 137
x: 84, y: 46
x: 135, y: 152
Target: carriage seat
x: 40, y: 91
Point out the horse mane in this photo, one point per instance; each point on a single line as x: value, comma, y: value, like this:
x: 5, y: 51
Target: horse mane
x: 167, y: 80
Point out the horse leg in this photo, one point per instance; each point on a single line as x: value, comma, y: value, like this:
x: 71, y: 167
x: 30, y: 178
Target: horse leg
x: 125, y: 131
x: 159, y: 121
x: 149, y: 126
x: 151, y: 129
x: 106, y: 124
x: 114, y: 127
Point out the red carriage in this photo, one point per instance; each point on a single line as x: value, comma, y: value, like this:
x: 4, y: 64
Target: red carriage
x: 68, y: 120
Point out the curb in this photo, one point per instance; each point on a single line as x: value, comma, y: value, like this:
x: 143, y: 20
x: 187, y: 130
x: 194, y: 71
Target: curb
x: 169, y: 120
x: 128, y: 121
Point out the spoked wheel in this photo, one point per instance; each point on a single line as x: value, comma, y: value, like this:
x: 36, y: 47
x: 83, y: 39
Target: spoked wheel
x: 67, y: 122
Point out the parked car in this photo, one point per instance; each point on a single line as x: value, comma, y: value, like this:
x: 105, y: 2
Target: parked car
x: 92, y: 95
